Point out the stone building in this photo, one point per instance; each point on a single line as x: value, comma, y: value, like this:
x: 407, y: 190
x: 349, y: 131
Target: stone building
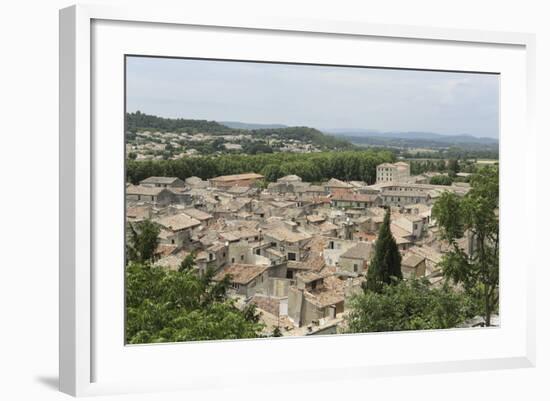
x: 393, y: 172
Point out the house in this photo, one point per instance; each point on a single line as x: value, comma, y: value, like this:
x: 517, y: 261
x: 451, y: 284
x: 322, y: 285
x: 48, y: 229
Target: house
x: 156, y: 196
x: 203, y: 217
x: 311, y: 300
x: 245, y: 279
x: 413, y: 266
x: 178, y: 228
x: 236, y: 180
x: 412, y: 223
x: 162, y: 182
x: 358, y: 201
x: 396, y: 197
x: 356, y: 258
x: 335, y: 185
x: 138, y: 213
x: 289, y: 241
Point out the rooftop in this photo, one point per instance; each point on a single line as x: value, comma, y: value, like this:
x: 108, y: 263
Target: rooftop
x: 197, y: 214
x: 349, y: 197
x: 335, y: 183
x: 159, y: 180
x: 237, y: 177
x: 283, y: 234
x: 178, y: 222
x: 360, y: 251
x: 241, y: 273
x: 142, y: 190
x: 412, y: 260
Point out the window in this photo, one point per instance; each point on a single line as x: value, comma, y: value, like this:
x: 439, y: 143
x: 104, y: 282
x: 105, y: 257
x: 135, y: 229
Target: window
x: 355, y: 267
x: 242, y: 258
x: 232, y: 260
x: 172, y: 241
x: 291, y: 256
x: 211, y: 256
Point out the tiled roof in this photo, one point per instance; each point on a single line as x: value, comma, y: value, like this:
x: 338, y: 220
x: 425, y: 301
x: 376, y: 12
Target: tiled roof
x: 237, y: 177
x: 178, y: 222
x: 241, y: 273
x: 360, y: 251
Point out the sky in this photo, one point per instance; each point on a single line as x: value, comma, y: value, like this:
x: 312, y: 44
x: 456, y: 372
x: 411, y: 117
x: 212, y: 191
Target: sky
x: 323, y: 97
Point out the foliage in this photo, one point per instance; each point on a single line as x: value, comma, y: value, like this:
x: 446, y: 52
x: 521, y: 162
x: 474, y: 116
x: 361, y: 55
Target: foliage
x: 475, y: 216
x: 277, y: 332
x: 304, y: 134
x: 142, y: 241
x: 169, y: 306
x: 385, y: 266
x: 314, y: 167
x: 253, y: 148
x: 408, y: 305
x: 441, y: 180
x: 453, y: 167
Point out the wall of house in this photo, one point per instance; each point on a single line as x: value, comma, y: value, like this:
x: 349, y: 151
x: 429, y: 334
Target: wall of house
x: 278, y: 287
x: 348, y: 265
x: 332, y: 255
x: 295, y: 301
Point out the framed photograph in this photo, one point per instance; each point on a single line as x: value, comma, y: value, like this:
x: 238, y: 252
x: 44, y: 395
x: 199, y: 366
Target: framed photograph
x: 284, y: 199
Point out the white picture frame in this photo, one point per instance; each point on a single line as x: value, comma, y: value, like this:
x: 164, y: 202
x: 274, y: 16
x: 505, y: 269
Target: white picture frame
x: 84, y: 328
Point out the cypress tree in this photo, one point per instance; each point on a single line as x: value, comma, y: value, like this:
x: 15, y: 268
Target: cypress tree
x: 385, y: 266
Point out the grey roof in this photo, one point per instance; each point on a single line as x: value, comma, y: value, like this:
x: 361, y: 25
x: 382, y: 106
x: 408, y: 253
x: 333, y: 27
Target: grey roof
x: 159, y: 180
x: 360, y: 251
x: 412, y: 260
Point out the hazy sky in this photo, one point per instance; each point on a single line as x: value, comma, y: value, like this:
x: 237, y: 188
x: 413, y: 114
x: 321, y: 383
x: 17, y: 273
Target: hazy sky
x: 315, y: 96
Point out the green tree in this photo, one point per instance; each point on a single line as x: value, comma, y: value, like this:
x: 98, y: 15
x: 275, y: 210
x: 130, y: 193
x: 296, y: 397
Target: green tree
x: 475, y: 216
x: 143, y: 241
x: 441, y: 180
x: 408, y: 305
x: 454, y: 168
x: 167, y: 306
x: 385, y: 266
x: 187, y: 263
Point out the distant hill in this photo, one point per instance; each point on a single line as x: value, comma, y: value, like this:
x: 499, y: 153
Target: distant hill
x: 250, y: 126
x: 144, y: 122
x: 412, y: 139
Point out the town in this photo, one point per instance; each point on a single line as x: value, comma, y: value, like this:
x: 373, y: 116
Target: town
x: 298, y: 251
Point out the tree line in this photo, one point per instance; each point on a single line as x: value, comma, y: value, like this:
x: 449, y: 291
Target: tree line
x: 312, y: 167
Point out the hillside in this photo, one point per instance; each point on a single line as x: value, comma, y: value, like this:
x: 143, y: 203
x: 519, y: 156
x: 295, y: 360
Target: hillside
x: 139, y: 122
